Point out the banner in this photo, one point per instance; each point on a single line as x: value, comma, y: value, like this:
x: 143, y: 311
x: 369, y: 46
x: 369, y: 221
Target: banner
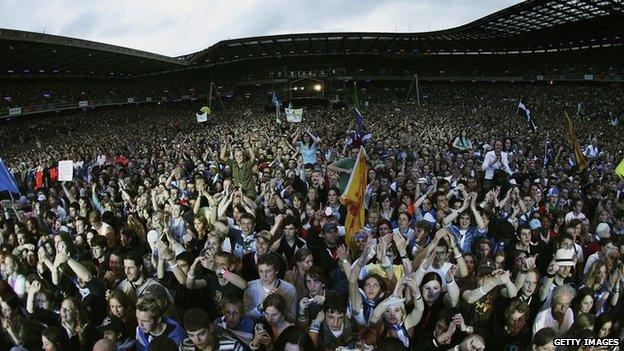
x: 148, y: 99
x: 66, y: 170
x: 15, y: 111
x: 130, y: 100
x: 202, y: 115
x: 83, y: 103
x: 589, y: 77
x: 294, y: 115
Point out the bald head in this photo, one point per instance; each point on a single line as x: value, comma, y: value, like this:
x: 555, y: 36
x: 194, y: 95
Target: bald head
x: 105, y: 345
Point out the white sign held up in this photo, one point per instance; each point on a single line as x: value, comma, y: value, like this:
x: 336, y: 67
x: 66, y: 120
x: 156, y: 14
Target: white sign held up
x: 66, y: 170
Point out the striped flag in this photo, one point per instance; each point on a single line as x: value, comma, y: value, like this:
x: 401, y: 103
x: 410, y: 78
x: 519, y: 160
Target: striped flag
x: 353, y: 198
x: 580, y: 158
x: 527, y: 114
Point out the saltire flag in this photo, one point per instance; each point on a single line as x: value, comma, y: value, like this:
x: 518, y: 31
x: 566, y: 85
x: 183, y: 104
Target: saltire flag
x: 353, y: 198
x: 275, y: 100
x: 359, y: 119
x: 7, y: 182
x: 619, y: 170
x: 202, y: 115
x: 580, y: 158
x: 527, y: 114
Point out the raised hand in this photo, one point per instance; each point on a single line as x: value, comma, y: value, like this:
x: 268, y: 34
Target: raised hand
x: 343, y: 252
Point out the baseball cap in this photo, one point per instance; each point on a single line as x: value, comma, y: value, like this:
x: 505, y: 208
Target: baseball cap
x: 535, y: 224
x: 553, y: 192
x: 486, y: 267
x: 328, y: 227
x: 565, y: 257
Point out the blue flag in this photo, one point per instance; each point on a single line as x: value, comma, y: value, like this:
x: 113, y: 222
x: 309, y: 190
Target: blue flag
x: 6, y: 180
x: 276, y: 100
x: 359, y: 119
x: 527, y: 113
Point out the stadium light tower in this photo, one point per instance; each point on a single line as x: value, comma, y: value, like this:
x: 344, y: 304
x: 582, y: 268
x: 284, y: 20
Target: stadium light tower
x: 318, y: 87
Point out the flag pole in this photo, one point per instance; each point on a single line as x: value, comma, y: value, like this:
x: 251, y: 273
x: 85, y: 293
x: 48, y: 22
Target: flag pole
x: 518, y: 106
x: 417, y: 89
x: 545, y: 148
x: 210, y: 97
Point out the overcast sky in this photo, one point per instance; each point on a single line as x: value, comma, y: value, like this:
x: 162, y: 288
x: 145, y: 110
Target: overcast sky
x: 179, y: 27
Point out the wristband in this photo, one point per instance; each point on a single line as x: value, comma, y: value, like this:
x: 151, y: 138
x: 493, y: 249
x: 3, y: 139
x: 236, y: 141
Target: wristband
x: 548, y: 275
x: 192, y: 276
x: 458, y: 256
x: 403, y: 257
x: 481, y: 291
x: 172, y: 266
x: 315, y: 326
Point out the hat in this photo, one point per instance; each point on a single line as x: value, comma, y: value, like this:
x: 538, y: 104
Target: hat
x: 41, y: 198
x: 513, y: 182
x: 553, y: 175
x: 328, y: 227
x: 565, y: 257
x: 486, y: 266
x: 113, y: 323
x: 603, y: 230
x: 361, y: 234
x: 484, y: 240
x: 535, y: 224
x: 422, y: 180
x: 553, y: 192
x: 83, y: 192
x: 264, y: 235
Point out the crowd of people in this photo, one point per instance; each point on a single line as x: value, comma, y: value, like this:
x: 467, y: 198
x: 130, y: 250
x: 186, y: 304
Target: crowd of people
x: 479, y: 234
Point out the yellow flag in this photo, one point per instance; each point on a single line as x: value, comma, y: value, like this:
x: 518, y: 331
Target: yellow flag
x: 353, y: 198
x: 578, y: 154
x: 619, y: 170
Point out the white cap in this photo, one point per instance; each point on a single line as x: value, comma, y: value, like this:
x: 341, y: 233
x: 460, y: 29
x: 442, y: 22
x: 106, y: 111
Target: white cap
x: 603, y: 230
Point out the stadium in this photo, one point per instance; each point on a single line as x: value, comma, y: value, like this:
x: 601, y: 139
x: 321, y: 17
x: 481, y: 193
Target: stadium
x: 452, y: 189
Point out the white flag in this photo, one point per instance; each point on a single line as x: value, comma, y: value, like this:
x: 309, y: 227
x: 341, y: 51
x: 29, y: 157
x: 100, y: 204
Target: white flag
x: 294, y: 115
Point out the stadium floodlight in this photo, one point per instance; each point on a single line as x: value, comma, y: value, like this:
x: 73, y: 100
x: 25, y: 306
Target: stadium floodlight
x: 318, y: 87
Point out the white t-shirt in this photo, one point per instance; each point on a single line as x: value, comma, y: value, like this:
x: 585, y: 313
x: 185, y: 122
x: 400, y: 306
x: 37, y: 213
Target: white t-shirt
x: 545, y: 319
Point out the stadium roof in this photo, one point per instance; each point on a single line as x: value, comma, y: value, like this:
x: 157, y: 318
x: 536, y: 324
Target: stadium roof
x: 531, y: 26
x: 35, y: 53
